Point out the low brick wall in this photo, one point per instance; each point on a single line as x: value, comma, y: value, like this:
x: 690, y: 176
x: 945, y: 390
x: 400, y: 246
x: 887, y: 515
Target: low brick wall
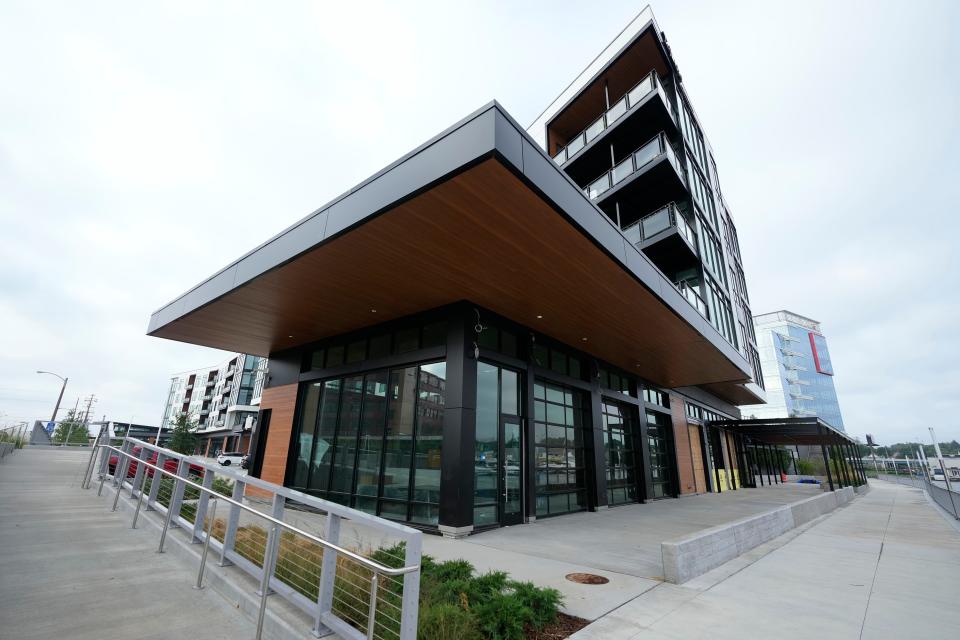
x: 688, y: 557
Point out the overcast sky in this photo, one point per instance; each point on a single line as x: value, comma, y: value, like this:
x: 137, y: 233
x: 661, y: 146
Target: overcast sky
x: 143, y: 146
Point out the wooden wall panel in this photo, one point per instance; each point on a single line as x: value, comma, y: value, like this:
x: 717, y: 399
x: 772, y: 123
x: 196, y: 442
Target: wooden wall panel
x: 681, y: 439
x: 283, y: 401
x: 696, y: 452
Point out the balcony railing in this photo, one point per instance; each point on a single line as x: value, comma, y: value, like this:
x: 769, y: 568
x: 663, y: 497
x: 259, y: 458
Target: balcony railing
x: 633, y: 163
x: 659, y: 221
x: 635, y: 96
x: 693, y: 297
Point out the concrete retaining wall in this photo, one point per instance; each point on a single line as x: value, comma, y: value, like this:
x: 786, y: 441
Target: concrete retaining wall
x: 693, y: 555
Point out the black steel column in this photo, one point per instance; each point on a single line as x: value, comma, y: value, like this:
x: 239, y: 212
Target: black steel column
x: 826, y: 462
x: 766, y: 457
x: 756, y: 460
x: 459, y: 427
x: 837, y: 461
x: 530, y: 471
x: 848, y: 463
x: 863, y: 469
x: 597, y: 490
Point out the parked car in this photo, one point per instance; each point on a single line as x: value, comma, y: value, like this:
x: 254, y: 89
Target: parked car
x: 228, y: 458
x: 169, y: 464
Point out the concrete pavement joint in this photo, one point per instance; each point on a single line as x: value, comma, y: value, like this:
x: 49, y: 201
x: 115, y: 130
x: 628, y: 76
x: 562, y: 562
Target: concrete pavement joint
x: 876, y: 570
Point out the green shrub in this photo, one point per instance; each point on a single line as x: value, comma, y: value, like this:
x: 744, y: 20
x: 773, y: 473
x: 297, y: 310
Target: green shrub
x: 447, y: 622
x: 503, y: 617
x: 544, y: 603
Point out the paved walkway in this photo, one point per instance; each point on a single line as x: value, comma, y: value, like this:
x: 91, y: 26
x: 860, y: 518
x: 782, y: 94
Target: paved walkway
x: 621, y: 544
x: 884, y: 566
x: 67, y: 572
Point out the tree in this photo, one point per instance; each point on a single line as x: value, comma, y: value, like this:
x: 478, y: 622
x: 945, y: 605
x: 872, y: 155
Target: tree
x: 183, y: 437
x: 71, y: 427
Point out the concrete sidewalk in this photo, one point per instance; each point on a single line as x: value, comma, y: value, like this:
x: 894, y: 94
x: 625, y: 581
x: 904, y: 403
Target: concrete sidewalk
x: 69, y: 568
x: 881, y: 567
x: 621, y: 544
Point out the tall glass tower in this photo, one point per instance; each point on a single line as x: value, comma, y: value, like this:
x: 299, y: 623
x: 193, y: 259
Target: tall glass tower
x: 797, y: 370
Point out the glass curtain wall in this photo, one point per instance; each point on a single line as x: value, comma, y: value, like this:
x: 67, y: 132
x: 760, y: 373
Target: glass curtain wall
x: 560, y: 425
x: 372, y: 441
x: 621, y: 453
x: 660, y: 440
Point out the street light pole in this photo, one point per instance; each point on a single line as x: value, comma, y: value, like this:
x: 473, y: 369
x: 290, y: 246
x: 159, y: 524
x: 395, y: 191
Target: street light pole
x: 60, y: 397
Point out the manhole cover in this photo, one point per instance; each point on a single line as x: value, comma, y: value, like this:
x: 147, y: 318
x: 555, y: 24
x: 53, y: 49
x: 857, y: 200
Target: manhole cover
x: 586, y: 578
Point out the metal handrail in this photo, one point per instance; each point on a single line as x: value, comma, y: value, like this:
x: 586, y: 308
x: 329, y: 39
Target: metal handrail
x: 133, y: 452
x: 370, y: 564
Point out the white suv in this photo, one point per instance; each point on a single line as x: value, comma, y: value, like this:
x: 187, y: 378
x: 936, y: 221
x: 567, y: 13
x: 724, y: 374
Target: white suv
x: 230, y: 457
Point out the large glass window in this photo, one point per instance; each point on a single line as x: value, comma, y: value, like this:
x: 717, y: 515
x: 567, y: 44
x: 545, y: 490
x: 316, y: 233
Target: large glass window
x: 487, y: 445
x: 621, y: 454
x: 560, y: 422
x: 373, y: 441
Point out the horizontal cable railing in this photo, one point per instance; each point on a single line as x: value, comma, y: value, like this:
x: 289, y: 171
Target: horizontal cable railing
x: 355, y: 594
x: 650, y: 84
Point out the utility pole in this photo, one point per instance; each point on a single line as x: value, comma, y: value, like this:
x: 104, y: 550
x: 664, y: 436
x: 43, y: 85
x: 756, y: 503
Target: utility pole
x: 91, y: 399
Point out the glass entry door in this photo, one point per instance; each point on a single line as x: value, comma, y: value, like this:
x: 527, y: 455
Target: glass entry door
x: 498, y: 453
x: 511, y: 453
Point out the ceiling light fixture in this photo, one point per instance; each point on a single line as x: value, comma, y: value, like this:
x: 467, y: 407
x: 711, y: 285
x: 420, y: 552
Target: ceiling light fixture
x: 539, y: 317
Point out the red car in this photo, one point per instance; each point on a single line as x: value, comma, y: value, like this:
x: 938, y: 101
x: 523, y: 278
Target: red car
x: 170, y: 464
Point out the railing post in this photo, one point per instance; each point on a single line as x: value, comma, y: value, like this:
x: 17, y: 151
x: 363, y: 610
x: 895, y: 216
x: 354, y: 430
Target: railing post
x: 91, y: 462
x: 121, y: 460
x: 233, y: 521
x: 273, y: 537
x: 372, y: 612
x: 206, y: 545
x: 411, y: 589
x: 328, y: 572
x: 155, y: 483
x: 141, y: 470
x: 269, y: 556
x: 120, y: 472
x: 201, y: 512
x: 136, y: 513
x: 176, y: 498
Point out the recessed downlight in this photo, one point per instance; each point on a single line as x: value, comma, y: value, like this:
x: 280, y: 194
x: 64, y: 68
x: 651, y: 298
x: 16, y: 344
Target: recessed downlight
x: 373, y: 310
x: 539, y: 317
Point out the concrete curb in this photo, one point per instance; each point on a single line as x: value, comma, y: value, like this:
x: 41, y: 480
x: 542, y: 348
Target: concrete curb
x: 281, y: 621
x: 690, y: 556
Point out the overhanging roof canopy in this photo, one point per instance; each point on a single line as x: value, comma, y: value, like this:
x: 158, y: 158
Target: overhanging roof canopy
x: 478, y: 213
x: 789, y: 431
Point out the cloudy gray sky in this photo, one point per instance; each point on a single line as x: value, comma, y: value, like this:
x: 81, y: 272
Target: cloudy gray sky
x: 143, y: 147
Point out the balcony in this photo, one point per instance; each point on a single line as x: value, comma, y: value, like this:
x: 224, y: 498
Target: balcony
x: 653, y: 169
x: 634, y: 100
x: 693, y: 297
x: 667, y: 238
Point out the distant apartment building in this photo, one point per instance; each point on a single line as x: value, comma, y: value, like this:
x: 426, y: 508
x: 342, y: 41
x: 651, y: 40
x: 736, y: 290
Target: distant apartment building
x: 797, y: 371
x: 223, y: 399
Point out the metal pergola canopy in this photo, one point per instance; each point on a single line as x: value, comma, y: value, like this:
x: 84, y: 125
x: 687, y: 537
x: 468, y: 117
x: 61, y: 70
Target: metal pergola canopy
x: 786, y: 431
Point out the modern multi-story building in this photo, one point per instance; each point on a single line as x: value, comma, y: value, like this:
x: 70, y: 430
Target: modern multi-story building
x: 797, y: 370
x: 223, y: 399
x: 506, y: 324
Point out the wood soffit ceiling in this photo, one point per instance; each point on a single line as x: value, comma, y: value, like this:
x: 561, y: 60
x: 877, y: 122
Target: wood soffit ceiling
x: 482, y: 236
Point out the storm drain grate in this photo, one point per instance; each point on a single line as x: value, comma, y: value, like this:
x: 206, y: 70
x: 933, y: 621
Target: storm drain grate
x: 586, y: 578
